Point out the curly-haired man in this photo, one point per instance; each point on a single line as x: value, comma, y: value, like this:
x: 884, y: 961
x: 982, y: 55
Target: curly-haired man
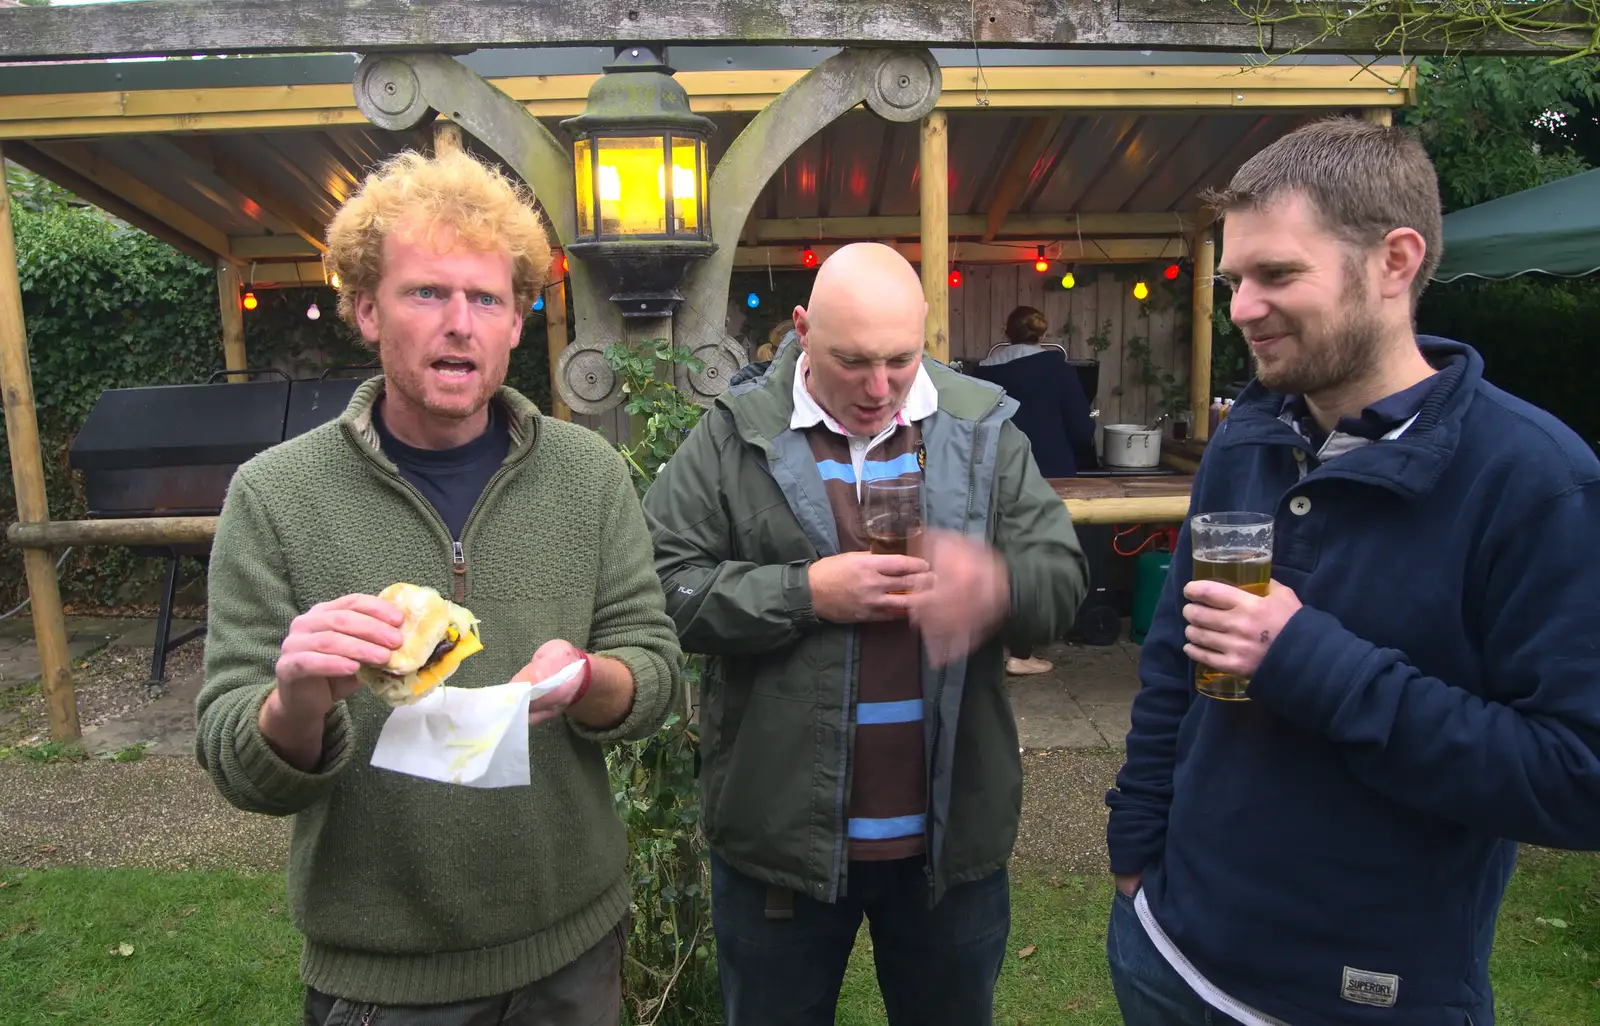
x: 421, y: 901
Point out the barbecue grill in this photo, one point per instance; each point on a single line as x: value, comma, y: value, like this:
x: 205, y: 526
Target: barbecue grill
x: 170, y: 451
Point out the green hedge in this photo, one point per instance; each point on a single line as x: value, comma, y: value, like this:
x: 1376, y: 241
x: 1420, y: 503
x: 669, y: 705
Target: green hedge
x: 110, y: 307
x: 1539, y: 338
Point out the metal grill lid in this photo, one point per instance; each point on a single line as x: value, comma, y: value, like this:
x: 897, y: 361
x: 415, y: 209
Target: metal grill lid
x: 181, y: 425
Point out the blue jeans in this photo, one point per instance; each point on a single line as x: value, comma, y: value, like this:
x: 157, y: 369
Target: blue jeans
x: 1149, y: 991
x: 936, y: 967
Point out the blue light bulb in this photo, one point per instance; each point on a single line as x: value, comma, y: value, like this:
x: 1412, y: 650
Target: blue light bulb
x: 538, y: 304
x: 752, y: 300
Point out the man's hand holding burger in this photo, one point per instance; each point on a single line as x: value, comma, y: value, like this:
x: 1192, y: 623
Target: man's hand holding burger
x: 317, y: 667
x: 600, y: 696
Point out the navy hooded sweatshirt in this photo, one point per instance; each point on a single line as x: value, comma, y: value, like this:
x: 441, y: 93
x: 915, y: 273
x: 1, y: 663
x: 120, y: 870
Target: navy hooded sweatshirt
x: 1436, y: 701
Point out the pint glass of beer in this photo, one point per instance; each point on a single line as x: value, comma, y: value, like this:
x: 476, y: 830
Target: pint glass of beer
x: 892, y: 510
x: 1235, y: 548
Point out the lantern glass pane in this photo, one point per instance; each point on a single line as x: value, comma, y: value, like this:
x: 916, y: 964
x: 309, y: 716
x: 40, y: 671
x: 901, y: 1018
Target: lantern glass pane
x: 705, y: 187
x: 583, y: 170
x: 632, y: 199
x: 686, y: 191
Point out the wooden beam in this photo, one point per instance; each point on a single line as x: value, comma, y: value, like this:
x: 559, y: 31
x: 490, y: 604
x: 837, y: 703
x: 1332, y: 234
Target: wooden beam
x: 809, y: 229
x: 1143, y: 509
x: 1095, y: 251
x: 131, y: 531
x: 84, y: 189
x: 935, y: 214
x: 114, y: 180
x: 1019, y: 171
x: 286, y: 274
x: 178, y: 28
x: 244, y: 180
x: 446, y: 137
x: 1232, y: 86
x: 1205, y: 270
x: 27, y: 474
x: 271, y: 247
x: 1379, y: 116
x: 232, y: 320
x: 556, y: 334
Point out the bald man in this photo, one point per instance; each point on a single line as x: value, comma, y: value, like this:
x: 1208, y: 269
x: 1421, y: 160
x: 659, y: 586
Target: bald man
x: 859, y: 755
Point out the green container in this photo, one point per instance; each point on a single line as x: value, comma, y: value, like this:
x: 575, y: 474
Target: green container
x: 1149, y: 577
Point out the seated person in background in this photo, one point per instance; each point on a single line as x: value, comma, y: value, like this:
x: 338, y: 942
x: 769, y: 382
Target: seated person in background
x: 1053, y: 412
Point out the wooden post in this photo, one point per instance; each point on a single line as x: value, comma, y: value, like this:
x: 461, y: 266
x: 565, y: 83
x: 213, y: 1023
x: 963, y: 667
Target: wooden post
x: 233, y: 353
x: 1378, y: 115
x: 27, y: 473
x: 1205, y: 269
x: 446, y: 138
x: 936, y: 233
x: 555, y: 333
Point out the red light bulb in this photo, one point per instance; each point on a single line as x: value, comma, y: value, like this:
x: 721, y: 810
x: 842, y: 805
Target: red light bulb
x: 1171, y: 272
x: 955, y: 279
x: 809, y: 257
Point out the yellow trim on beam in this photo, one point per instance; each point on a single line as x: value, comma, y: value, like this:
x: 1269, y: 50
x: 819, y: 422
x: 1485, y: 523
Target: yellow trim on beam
x: 811, y: 228
x: 1095, y: 251
x: 245, y: 108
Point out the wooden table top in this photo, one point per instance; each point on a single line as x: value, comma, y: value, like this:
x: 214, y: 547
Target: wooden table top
x: 1129, y: 487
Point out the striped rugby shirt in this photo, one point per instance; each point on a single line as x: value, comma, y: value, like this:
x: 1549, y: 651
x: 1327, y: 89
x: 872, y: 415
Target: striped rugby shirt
x: 888, y: 780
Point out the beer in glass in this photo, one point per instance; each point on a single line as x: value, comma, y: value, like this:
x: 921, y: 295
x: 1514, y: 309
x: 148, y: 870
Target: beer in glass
x: 892, y: 510
x: 1235, y: 548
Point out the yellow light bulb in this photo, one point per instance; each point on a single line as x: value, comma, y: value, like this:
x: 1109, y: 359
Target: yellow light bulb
x: 1069, y: 280
x: 333, y: 279
x: 610, y: 184
x: 1141, y: 291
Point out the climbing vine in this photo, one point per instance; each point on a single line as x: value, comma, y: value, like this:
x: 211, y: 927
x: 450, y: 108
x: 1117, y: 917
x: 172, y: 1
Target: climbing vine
x: 1565, y: 29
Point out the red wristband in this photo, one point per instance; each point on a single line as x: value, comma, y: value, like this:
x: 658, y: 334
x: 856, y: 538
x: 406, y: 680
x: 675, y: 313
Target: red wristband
x: 588, y: 678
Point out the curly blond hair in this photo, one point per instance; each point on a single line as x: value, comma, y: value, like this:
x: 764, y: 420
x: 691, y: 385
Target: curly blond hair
x: 479, y: 203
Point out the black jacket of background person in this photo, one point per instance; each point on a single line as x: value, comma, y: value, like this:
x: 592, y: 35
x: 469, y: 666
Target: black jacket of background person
x: 1054, y: 413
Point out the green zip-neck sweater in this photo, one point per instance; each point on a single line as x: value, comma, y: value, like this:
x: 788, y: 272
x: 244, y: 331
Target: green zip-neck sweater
x: 410, y: 891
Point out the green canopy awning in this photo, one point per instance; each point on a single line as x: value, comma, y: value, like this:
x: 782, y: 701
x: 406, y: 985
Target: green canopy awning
x: 1549, y: 229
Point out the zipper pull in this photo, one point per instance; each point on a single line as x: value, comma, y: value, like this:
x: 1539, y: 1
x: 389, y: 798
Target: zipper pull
x: 459, y: 571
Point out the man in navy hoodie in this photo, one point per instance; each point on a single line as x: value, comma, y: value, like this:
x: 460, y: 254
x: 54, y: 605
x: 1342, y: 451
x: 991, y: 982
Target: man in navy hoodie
x: 1425, y: 668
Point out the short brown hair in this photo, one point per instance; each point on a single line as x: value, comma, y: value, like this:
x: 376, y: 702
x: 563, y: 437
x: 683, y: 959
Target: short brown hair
x: 1363, y: 180
x: 483, y: 206
x: 1026, y: 325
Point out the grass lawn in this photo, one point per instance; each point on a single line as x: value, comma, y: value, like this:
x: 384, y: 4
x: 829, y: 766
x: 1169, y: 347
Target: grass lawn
x: 134, y: 947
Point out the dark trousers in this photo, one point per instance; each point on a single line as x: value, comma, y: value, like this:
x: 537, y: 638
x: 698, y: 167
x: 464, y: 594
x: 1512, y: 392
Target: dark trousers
x: 1149, y: 991
x: 936, y: 967
x: 587, y: 992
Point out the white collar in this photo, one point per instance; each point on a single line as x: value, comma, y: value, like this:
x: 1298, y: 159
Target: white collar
x: 921, y: 402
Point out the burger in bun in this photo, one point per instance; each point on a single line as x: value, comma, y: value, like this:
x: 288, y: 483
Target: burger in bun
x: 437, y: 636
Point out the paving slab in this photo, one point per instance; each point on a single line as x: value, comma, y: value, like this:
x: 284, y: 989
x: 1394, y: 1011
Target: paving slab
x: 165, y: 726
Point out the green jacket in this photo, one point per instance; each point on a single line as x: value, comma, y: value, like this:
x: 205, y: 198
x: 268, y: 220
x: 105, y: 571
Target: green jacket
x: 410, y: 891
x: 737, y: 517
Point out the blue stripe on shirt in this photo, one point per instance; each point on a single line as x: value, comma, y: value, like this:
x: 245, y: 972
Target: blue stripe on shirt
x: 872, y: 470
x: 873, y: 713
x: 886, y: 829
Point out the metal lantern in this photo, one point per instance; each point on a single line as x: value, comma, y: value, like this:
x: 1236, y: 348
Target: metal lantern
x: 641, y: 167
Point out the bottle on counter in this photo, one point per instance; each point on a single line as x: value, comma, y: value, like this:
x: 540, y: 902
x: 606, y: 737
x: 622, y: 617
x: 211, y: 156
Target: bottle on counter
x: 1215, y: 414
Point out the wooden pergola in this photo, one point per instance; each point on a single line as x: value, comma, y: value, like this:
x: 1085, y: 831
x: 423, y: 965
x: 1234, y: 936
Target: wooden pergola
x: 1095, y: 153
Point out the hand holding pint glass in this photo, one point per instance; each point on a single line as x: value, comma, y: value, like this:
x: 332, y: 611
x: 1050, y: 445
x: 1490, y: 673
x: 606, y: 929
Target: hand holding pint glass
x: 1236, y: 549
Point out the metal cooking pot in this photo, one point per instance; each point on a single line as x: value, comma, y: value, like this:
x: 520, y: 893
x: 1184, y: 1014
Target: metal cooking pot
x: 1131, y: 445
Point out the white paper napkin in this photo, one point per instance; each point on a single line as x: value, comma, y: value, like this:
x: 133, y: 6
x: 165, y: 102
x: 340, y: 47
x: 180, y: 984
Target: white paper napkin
x: 472, y: 736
